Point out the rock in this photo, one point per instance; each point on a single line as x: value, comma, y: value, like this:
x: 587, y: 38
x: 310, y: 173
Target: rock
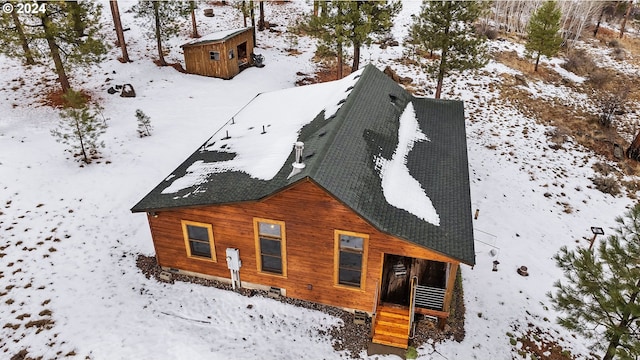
x: 395, y: 77
x: 617, y: 152
x: 127, y: 91
x: 208, y: 12
x: 112, y: 91
x: 520, y: 79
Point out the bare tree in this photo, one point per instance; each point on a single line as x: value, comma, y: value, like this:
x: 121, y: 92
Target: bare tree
x: 610, y: 104
x: 626, y: 16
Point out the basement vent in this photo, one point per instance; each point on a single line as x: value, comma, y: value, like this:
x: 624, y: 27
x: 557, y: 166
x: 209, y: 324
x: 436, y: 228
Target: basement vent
x: 274, y: 292
x: 360, y: 318
x: 165, y: 276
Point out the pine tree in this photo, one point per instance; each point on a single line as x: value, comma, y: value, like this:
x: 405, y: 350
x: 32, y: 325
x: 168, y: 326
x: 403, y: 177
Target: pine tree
x: 70, y: 30
x: 543, y: 36
x: 366, y: 20
x: 14, y: 41
x: 447, y: 27
x: 332, y: 30
x: 163, y: 19
x: 600, y: 297
x: 355, y: 22
x: 80, y: 127
x: 144, y: 123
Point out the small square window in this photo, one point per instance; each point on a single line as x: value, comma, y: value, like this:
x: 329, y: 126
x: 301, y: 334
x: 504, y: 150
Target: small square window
x: 214, y: 55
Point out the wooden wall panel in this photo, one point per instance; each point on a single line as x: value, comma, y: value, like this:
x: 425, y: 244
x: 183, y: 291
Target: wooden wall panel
x: 311, y: 216
x: 197, y: 60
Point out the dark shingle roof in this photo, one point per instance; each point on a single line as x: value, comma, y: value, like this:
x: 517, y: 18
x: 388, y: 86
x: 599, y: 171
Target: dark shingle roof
x: 343, y: 157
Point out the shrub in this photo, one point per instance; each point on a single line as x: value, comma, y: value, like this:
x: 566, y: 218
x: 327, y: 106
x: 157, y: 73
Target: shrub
x: 579, y: 62
x: 618, y: 53
x: 608, y: 185
x: 599, y: 78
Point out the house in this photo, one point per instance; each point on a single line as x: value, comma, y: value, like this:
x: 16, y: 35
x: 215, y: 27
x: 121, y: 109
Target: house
x: 222, y: 54
x: 351, y: 193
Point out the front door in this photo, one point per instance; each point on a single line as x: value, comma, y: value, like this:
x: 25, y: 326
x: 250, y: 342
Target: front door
x: 398, y: 271
x: 395, y: 280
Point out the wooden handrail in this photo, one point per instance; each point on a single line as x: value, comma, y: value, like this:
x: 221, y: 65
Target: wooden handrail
x: 412, y: 304
x: 375, y: 308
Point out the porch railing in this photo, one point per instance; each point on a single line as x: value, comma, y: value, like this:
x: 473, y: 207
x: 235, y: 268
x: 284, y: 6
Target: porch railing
x: 375, y: 308
x: 429, y: 297
x: 412, y: 305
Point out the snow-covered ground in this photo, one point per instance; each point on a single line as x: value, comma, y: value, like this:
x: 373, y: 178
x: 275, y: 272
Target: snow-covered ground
x: 69, y: 285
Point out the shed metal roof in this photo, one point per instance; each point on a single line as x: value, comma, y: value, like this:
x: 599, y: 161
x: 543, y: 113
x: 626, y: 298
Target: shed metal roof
x: 218, y: 36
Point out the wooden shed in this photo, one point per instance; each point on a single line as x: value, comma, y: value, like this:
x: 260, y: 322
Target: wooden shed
x: 222, y: 54
x: 362, y: 213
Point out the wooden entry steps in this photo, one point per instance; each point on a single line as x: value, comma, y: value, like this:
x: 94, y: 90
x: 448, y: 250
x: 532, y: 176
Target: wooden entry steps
x: 392, y: 327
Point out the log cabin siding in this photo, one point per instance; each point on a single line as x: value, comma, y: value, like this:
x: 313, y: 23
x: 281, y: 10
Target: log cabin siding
x: 197, y: 59
x: 311, y: 216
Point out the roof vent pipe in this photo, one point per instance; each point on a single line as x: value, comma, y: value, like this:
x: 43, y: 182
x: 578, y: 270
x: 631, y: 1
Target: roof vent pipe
x: 299, y: 146
x: 298, y: 165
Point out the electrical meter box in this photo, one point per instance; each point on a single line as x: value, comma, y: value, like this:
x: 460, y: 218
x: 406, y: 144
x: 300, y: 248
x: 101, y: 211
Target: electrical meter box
x: 233, y: 259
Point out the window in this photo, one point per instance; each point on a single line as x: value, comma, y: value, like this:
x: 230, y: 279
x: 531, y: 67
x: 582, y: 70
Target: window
x: 270, y: 246
x: 231, y: 54
x: 214, y: 55
x: 350, y: 258
x: 198, y: 239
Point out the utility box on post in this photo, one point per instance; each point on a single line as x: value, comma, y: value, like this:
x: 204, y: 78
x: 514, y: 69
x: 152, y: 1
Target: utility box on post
x: 233, y: 259
x: 234, y: 263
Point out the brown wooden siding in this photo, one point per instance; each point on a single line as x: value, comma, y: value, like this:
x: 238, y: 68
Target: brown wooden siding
x: 311, y: 216
x: 197, y: 60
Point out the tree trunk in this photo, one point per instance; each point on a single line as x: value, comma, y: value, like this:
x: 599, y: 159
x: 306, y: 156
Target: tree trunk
x: 595, y: 31
x: 244, y: 13
x: 441, y: 70
x: 23, y: 39
x: 537, y: 62
x: 633, y: 152
x: 339, y: 42
x: 316, y: 5
x: 261, y: 18
x: 253, y: 21
x: 115, y: 13
x: 85, y: 158
x: 55, y: 52
x: 356, y: 56
x: 194, y: 25
x: 626, y: 16
x: 156, y: 14
x: 76, y: 16
x: 623, y: 325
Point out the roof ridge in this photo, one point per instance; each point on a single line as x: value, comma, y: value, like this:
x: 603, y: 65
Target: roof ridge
x: 338, y: 119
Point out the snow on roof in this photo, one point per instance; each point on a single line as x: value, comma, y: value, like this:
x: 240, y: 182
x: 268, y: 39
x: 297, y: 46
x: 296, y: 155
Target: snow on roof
x: 262, y: 134
x: 216, y: 36
x: 400, y: 189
